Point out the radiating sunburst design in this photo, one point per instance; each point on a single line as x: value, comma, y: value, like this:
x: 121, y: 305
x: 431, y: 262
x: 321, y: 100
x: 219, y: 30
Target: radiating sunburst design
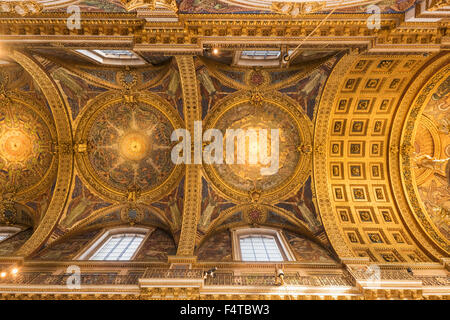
x: 129, y: 146
x: 246, y: 182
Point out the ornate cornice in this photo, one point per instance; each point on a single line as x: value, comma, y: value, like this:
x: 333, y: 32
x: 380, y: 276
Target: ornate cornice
x: 194, y: 31
x: 22, y: 8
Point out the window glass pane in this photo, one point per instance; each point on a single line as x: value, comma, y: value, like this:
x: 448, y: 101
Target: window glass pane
x: 261, y: 54
x: 4, y: 236
x: 118, y: 247
x: 259, y: 248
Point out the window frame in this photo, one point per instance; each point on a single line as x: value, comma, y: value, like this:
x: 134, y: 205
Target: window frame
x: 277, y: 234
x: 10, y: 231
x: 99, y: 58
x: 95, y: 245
x: 241, y: 60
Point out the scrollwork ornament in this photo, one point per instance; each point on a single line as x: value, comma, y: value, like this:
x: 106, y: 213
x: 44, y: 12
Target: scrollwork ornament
x: 407, y: 149
x: 8, y: 211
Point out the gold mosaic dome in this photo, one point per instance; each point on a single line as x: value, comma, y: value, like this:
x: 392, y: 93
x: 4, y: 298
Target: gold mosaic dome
x: 247, y: 182
x: 128, y: 148
x: 26, y: 155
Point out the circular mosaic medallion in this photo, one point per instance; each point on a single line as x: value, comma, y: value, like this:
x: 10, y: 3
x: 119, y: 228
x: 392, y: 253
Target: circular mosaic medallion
x: 26, y: 157
x: 277, y: 131
x: 128, y: 146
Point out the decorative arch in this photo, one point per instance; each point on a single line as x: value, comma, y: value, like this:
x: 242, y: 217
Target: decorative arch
x: 355, y: 175
x: 64, y: 150
x: 411, y: 111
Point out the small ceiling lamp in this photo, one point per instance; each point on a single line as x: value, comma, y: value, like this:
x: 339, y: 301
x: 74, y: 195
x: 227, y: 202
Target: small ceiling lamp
x: 14, y: 271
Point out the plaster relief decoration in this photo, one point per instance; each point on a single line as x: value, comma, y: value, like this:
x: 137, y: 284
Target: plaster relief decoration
x: 22, y: 8
x: 150, y: 4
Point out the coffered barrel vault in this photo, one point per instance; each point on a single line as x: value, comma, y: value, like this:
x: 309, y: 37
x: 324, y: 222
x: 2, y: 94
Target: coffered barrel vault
x: 351, y: 202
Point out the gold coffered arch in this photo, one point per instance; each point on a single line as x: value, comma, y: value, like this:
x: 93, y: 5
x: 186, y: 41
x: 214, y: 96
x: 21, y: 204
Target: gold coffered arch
x: 355, y: 184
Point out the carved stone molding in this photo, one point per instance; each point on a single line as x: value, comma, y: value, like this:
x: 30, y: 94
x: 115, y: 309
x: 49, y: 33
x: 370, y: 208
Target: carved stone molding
x: 103, y: 187
x: 321, y: 185
x: 300, y: 171
x: 23, y: 8
x: 194, y: 32
x: 193, y: 183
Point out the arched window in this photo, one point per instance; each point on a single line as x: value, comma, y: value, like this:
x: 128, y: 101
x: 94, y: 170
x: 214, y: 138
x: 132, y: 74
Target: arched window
x: 116, y: 245
x: 262, y: 245
x: 112, y: 57
x: 262, y: 58
x: 7, y: 232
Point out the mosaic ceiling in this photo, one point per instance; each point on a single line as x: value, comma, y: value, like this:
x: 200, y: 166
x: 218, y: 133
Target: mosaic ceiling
x: 86, y: 145
x: 229, y: 6
x: 128, y: 146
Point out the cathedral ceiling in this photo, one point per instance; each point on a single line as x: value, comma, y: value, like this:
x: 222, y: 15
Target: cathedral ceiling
x: 363, y: 142
x: 124, y: 174
x: 432, y: 149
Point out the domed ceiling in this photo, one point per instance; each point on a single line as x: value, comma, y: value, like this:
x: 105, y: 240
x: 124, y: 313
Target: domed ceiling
x: 248, y: 182
x: 26, y: 156
x: 127, y: 147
